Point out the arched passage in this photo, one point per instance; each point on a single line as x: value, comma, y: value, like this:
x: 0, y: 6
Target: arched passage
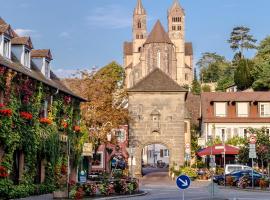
x: 155, y: 158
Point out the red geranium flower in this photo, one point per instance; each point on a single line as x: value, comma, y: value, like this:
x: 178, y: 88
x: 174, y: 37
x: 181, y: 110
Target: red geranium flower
x: 64, y: 124
x: 26, y: 115
x: 77, y: 128
x: 2, y: 105
x: 3, y: 172
x: 6, y: 112
x: 45, y: 121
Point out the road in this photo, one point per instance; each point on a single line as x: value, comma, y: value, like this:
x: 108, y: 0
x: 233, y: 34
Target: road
x: 160, y: 187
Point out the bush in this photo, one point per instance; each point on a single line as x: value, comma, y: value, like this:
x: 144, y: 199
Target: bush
x: 189, y: 172
x: 229, y: 180
x: 5, y: 185
x: 21, y: 191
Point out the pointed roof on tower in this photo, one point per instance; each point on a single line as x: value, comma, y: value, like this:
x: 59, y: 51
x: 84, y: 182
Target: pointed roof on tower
x: 158, y: 35
x: 139, y: 10
x: 176, y: 5
x: 157, y: 81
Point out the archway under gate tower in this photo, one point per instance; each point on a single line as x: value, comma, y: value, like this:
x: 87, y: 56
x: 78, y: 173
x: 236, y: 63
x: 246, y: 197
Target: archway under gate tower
x: 157, y: 116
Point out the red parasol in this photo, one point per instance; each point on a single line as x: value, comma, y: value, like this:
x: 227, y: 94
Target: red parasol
x: 218, y: 149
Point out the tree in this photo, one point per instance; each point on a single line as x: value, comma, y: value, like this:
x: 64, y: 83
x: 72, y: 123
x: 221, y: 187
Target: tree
x: 241, y: 39
x: 106, y: 108
x: 211, y: 67
x: 242, y: 77
x: 261, y: 71
x: 206, y: 88
x: 196, y: 87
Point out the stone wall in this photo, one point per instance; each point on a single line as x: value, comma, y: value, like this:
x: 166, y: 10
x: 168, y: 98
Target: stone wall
x: 157, y: 118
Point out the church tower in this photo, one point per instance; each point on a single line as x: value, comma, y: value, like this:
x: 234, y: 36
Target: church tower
x: 139, y: 31
x: 176, y: 29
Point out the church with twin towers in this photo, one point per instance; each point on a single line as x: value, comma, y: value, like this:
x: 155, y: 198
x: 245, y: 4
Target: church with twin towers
x: 163, y: 49
x: 157, y: 66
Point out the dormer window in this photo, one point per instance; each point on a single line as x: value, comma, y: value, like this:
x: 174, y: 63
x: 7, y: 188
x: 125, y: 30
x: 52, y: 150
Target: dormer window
x: 47, y: 69
x: 6, y: 48
x: 27, y: 58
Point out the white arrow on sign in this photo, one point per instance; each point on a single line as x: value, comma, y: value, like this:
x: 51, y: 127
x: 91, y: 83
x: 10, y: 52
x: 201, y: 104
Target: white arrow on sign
x: 185, y: 183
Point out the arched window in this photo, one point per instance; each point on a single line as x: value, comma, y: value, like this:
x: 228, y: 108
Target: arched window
x: 141, y: 36
x: 139, y: 49
x: 158, y: 59
x: 173, y: 28
x: 179, y: 28
x: 137, y: 36
x: 139, y: 24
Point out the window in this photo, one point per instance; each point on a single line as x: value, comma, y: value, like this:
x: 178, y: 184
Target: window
x: 265, y: 109
x: 47, y: 69
x: 178, y: 28
x: 166, y: 153
x: 139, y: 24
x: 185, y: 127
x: 120, y: 135
x: 137, y: 36
x: 97, y: 161
x: 242, y: 109
x: 161, y: 153
x: 173, y: 28
x: 221, y: 134
x: 186, y: 77
x: 220, y: 109
x: 158, y: 59
x: 244, y: 132
x: 141, y: 36
x: 6, y: 48
x: 27, y: 58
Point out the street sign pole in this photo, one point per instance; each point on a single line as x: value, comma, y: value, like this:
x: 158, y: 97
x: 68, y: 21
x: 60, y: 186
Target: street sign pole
x: 183, y: 182
x: 183, y: 198
x: 252, y: 154
x: 252, y: 175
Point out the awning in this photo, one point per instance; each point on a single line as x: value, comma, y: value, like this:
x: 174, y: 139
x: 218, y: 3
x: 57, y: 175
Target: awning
x: 218, y: 149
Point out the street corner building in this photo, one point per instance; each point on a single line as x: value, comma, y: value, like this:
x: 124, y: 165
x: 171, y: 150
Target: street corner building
x: 37, y: 112
x: 158, y: 65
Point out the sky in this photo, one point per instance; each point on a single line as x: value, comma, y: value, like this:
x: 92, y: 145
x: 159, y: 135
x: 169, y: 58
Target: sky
x: 86, y: 33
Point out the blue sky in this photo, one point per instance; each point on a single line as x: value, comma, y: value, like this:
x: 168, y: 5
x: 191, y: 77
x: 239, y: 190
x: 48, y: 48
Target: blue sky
x: 87, y: 33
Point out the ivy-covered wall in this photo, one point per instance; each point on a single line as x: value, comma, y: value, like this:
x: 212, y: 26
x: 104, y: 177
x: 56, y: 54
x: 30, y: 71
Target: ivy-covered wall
x: 25, y: 134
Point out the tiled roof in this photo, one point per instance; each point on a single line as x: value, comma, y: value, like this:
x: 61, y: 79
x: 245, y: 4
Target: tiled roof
x: 36, y: 74
x: 193, y: 105
x: 22, y: 41
x: 188, y: 49
x: 41, y: 53
x: 235, y: 96
x: 208, y: 98
x: 157, y: 81
x: 158, y: 35
x: 2, y: 21
x: 128, y: 48
x: 4, y: 28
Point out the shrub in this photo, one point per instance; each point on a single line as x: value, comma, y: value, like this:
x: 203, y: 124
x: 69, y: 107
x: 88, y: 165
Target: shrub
x: 263, y: 183
x: 90, y: 189
x: 5, y: 185
x: 229, y: 180
x: 189, y: 172
x: 120, y: 186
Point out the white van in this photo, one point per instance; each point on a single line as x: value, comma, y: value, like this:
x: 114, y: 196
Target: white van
x: 235, y: 167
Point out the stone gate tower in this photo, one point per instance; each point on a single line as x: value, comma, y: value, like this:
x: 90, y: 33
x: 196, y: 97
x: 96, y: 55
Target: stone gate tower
x: 157, y: 65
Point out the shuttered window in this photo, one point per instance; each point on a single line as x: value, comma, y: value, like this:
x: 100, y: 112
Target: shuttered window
x: 220, y: 109
x: 242, y: 109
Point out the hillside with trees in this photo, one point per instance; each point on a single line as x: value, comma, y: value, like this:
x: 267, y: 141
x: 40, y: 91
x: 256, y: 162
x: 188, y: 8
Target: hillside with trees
x: 241, y: 71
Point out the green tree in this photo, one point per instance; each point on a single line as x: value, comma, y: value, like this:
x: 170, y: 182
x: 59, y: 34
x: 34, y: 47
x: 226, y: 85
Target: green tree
x: 211, y: 67
x: 196, y: 86
x: 261, y: 71
x: 241, y: 39
x: 206, y: 88
x: 242, y: 77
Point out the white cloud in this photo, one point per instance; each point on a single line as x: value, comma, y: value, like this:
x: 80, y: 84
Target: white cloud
x: 65, y: 35
x: 111, y: 16
x: 27, y: 32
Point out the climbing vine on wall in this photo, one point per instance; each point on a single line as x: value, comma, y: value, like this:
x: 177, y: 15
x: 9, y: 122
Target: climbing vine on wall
x: 22, y: 128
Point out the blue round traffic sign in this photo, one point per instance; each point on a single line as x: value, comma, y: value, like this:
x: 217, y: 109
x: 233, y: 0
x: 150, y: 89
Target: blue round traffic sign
x: 183, y: 182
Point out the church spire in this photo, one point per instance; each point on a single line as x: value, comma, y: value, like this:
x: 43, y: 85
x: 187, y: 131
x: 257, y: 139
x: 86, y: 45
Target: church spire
x: 175, y: 5
x: 139, y: 10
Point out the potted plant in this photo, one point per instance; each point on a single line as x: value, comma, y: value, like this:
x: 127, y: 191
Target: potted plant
x: 229, y: 180
x: 244, y: 182
x: 263, y: 183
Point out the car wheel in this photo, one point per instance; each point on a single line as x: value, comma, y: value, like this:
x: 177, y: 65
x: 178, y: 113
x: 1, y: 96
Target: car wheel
x: 221, y: 182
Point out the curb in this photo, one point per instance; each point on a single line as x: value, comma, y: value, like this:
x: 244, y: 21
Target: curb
x: 143, y: 193
x: 247, y: 190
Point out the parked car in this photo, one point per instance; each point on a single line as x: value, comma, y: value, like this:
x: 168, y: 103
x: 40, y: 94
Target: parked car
x: 235, y: 167
x: 236, y: 175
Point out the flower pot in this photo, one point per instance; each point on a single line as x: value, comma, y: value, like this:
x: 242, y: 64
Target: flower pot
x: 60, y: 194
